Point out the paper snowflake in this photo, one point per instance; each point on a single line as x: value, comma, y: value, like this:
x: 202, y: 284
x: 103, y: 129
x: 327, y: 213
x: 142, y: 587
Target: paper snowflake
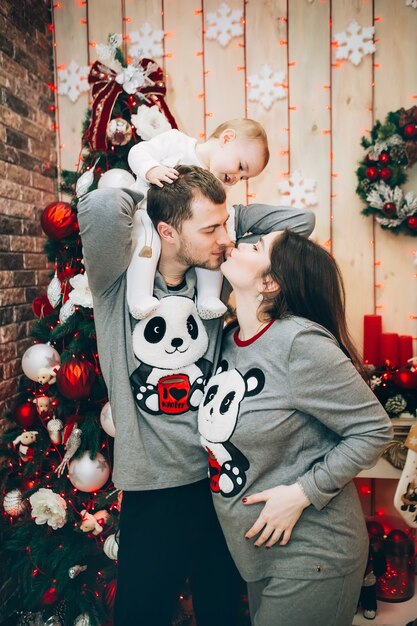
x: 266, y: 86
x: 146, y: 42
x: 355, y: 42
x: 224, y: 24
x: 411, y: 3
x: 300, y: 192
x: 72, y: 80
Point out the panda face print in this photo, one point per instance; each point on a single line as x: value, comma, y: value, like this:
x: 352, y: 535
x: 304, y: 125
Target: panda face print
x: 219, y: 409
x: 172, y: 337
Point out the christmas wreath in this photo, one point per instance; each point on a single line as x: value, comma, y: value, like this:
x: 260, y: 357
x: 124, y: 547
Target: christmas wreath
x: 391, y: 149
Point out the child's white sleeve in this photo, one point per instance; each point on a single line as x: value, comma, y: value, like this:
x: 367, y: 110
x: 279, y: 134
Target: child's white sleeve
x: 148, y: 154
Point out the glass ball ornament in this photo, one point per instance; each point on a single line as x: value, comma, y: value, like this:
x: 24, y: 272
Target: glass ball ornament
x: 89, y: 474
x: 59, y: 220
x: 119, y: 131
x: 37, y: 357
x: 106, y: 420
x: 372, y: 173
x: 25, y: 414
x: 412, y: 222
x: 111, y: 547
x: 116, y: 178
x: 13, y: 503
x: 75, y: 378
x: 386, y: 173
x: 389, y: 209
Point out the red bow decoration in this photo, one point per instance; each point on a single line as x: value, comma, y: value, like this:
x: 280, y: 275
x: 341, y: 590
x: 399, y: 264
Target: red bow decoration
x: 105, y: 92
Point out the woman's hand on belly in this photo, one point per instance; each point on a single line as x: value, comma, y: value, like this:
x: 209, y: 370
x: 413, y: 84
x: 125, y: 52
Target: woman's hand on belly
x: 283, y: 507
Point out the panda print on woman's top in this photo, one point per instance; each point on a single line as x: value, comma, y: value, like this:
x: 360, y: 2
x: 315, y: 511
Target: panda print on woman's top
x: 217, y: 418
x: 170, y: 344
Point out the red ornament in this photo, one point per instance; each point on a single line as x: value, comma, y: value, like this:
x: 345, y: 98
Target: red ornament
x: 406, y: 378
x: 375, y: 529
x: 389, y: 209
x: 398, y: 536
x: 25, y: 415
x: 75, y: 378
x: 59, y: 220
x: 49, y: 597
x: 410, y: 130
x: 386, y: 173
x: 412, y: 222
x: 372, y: 173
x: 384, y: 158
x: 41, y: 306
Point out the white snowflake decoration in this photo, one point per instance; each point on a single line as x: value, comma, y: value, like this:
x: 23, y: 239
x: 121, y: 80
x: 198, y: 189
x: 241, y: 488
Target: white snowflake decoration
x: 266, y: 86
x: 147, y: 42
x: 300, y: 192
x: 355, y: 42
x: 411, y: 3
x: 224, y: 24
x: 72, y: 80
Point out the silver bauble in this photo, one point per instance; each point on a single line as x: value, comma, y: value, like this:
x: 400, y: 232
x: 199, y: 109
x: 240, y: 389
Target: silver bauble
x: 13, y: 503
x: 111, y: 547
x: 89, y: 474
x: 37, y: 357
x: 54, y: 291
x: 54, y: 428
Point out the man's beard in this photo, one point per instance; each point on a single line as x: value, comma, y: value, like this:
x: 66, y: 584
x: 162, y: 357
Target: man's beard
x: 186, y: 257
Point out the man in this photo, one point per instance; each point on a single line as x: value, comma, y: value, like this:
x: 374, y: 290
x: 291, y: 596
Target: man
x: 168, y: 528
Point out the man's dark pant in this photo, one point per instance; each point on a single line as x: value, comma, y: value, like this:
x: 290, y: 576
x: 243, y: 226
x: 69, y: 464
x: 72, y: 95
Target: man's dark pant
x: 167, y: 536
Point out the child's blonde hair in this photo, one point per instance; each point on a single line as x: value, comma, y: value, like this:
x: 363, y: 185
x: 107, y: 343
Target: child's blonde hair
x: 247, y: 128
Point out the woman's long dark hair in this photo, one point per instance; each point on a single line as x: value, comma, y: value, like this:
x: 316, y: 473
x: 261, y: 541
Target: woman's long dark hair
x: 311, y: 286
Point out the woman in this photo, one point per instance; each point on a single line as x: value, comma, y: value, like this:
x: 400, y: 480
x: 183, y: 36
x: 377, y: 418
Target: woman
x: 288, y: 422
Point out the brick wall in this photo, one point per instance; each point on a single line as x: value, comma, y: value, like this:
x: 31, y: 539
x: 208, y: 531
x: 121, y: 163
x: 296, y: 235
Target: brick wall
x: 27, y: 175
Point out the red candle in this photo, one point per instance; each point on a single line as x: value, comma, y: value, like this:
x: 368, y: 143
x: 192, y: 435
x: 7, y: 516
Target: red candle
x: 405, y: 343
x: 372, y: 328
x: 389, y: 349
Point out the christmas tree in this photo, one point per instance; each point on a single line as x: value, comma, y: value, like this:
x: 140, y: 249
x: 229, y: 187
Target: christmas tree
x: 59, y: 525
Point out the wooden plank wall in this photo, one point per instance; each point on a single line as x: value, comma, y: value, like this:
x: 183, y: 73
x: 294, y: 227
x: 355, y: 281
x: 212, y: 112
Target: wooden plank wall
x: 316, y: 128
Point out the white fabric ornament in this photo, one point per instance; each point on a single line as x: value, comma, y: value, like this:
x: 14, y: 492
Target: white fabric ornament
x: 405, y: 498
x: 71, y: 446
x: 39, y: 357
x: 48, y: 508
x: 355, y: 42
x: 89, y: 474
x: 13, y: 503
x: 224, y: 24
x: 111, y: 547
x: 85, y: 181
x: 116, y: 178
x: 106, y: 420
x: 54, y: 428
x: 150, y: 122
x: 135, y: 77
x: 81, y: 293
x: 53, y: 291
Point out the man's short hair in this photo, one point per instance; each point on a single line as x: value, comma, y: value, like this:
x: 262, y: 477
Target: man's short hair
x: 172, y: 202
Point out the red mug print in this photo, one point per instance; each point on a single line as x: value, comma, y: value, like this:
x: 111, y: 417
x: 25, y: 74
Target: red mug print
x: 173, y: 394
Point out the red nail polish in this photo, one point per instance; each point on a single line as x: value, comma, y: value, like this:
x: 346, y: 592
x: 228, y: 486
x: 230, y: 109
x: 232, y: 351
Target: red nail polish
x: 244, y: 500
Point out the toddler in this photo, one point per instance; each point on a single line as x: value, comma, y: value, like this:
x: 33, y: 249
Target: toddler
x: 236, y: 150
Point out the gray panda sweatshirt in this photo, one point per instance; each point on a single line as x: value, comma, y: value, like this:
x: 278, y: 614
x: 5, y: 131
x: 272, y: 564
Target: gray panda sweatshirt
x: 153, y: 449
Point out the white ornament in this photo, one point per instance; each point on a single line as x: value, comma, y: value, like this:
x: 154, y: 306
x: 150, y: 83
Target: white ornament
x: 149, y: 122
x: 66, y: 311
x: 134, y: 76
x: 82, y: 620
x: 405, y: 205
x: 73, y: 80
x: 54, y: 428
x: 355, y: 42
x: 111, y: 547
x: 266, y: 86
x: 106, y: 420
x: 300, y: 192
x: 85, y: 181
x: 106, y: 53
x: 224, y: 24
x: 75, y: 570
x: 146, y: 42
x: 13, y: 503
x: 54, y: 291
x: 116, y: 178
x: 48, y: 508
x: 39, y: 357
x: 411, y: 3
x: 89, y: 474
x: 81, y: 293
